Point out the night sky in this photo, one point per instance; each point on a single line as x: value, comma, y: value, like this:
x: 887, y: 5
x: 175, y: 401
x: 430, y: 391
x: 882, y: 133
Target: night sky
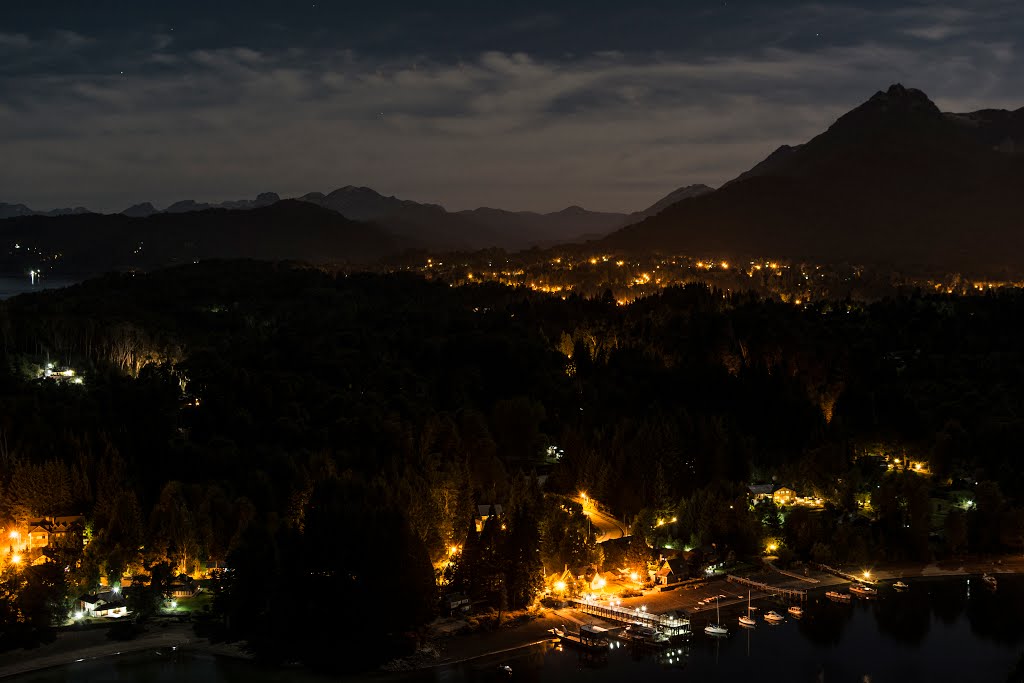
x: 516, y: 105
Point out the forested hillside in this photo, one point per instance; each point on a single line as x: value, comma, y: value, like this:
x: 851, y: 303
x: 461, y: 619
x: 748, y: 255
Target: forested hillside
x: 328, y: 436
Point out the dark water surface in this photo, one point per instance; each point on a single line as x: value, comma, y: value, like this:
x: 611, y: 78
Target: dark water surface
x: 938, y: 631
x: 12, y: 286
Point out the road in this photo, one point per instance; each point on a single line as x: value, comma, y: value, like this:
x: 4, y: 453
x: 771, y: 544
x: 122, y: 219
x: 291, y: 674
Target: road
x: 605, y: 526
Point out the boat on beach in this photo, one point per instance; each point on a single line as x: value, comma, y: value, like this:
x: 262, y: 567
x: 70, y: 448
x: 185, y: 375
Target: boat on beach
x: 837, y: 596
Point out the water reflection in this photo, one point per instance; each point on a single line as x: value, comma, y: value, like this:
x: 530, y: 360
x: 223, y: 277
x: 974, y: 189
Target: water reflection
x: 904, y: 617
x: 825, y: 621
x: 996, y: 615
x: 933, y: 632
x: 949, y: 598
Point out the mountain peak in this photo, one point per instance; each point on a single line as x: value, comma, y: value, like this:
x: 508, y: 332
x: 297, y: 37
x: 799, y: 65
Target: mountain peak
x: 140, y: 210
x: 900, y: 97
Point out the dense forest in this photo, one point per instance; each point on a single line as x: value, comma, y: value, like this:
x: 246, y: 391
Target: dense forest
x: 330, y: 437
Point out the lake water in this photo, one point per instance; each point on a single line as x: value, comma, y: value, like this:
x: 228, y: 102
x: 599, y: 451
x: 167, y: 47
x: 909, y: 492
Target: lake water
x: 937, y: 631
x: 12, y: 286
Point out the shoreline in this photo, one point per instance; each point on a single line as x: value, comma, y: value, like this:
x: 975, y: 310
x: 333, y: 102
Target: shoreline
x: 470, y: 647
x: 73, y: 647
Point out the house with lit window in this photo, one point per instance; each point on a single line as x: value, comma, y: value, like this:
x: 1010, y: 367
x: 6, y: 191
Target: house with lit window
x: 50, y: 531
x: 672, y: 571
x: 105, y: 604
x: 784, y: 496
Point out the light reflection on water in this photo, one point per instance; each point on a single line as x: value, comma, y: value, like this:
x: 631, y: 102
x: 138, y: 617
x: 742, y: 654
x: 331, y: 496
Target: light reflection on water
x: 12, y: 286
x: 934, y: 632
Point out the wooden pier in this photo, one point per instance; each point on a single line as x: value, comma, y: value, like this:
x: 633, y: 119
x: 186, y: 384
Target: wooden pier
x: 672, y: 626
x: 790, y: 593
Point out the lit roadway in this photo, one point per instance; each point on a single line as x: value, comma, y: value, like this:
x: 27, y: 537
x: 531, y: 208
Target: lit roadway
x: 605, y: 526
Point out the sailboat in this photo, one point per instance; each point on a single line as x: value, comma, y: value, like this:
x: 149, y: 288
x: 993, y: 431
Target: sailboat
x: 746, y: 619
x: 716, y: 629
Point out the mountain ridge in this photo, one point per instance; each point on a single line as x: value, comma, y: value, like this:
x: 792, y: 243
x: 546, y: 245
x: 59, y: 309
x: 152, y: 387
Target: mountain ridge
x: 424, y: 225
x: 892, y: 180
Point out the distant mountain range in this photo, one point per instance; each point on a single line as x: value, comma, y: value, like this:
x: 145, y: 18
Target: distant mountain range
x: 427, y: 226
x: 15, y: 210
x: 893, y: 181
x: 88, y: 244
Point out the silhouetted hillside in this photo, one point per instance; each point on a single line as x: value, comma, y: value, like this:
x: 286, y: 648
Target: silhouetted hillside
x: 894, y: 180
x: 91, y: 243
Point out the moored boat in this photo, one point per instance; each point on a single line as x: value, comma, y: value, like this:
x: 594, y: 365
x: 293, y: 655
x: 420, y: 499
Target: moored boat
x: 645, y: 635
x: 716, y: 629
x: 746, y: 619
x: 990, y: 581
x: 589, y: 637
x: 839, y: 597
x: 900, y: 586
x: 863, y: 591
x: 796, y: 610
x: 774, y: 617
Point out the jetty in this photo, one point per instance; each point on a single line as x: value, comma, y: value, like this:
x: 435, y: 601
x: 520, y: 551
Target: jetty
x: 667, y: 624
x: 789, y: 593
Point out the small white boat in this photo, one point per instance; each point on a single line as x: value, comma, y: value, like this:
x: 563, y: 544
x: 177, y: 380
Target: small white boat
x: 796, y: 610
x: 716, y: 629
x: 837, y: 596
x: 774, y: 617
x: 746, y: 619
x: 900, y: 586
x: 863, y: 590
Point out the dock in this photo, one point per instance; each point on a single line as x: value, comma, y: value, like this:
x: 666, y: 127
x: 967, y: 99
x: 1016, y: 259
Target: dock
x: 668, y: 624
x: 789, y: 593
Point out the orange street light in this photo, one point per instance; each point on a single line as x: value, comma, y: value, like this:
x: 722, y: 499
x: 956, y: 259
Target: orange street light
x: 16, y: 559
x: 560, y: 586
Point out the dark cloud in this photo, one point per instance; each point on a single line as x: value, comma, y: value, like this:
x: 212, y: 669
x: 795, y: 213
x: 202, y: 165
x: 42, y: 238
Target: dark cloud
x: 520, y: 108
